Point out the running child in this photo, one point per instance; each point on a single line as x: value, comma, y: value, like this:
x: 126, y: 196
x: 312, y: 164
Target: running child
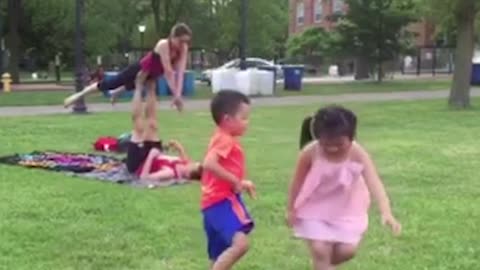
x: 329, y: 196
x: 226, y: 219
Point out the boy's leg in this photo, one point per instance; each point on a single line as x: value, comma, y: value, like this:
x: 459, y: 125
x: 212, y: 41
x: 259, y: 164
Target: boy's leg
x: 215, y: 244
x: 232, y: 254
x: 233, y: 226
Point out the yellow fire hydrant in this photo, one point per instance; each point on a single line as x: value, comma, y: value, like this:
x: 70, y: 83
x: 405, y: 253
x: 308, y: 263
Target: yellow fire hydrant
x: 7, y: 82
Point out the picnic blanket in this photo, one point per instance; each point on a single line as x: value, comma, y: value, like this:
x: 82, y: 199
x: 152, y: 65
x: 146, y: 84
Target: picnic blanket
x: 85, y: 165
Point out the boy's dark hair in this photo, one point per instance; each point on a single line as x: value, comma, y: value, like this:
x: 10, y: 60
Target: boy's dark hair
x: 181, y: 29
x: 226, y: 102
x: 331, y: 121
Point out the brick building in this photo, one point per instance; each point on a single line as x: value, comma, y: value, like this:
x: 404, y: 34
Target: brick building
x: 309, y: 13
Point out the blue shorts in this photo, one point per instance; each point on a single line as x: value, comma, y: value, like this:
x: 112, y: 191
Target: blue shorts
x: 222, y: 221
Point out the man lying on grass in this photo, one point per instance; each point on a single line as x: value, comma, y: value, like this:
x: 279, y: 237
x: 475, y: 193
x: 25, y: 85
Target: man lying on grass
x: 145, y: 156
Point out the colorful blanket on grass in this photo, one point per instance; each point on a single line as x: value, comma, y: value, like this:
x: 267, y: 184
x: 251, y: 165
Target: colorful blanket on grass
x: 91, y: 166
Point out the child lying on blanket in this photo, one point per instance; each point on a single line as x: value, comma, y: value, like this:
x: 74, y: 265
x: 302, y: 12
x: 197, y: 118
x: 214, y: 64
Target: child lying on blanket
x: 161, y: 167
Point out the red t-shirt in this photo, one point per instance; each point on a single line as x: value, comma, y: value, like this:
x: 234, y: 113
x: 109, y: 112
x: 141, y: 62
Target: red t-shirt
x: 231, y: 158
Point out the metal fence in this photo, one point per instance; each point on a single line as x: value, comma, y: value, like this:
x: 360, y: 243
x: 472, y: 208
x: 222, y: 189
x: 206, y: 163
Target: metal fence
x: 428, y: 60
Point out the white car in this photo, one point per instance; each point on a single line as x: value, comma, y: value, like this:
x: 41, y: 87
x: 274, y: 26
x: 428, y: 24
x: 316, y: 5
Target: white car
x: 256, y: 63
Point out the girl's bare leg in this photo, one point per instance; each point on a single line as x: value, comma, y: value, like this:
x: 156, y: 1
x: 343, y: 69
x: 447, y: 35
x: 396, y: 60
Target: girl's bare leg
x: 343, y: 253
x: 74, y: 97
x: 321, y: 253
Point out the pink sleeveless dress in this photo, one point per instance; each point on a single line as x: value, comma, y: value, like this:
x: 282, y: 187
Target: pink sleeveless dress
x: 333, y: 202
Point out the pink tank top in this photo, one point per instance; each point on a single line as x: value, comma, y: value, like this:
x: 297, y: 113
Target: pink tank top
x: 152, y: 63
x: 333, y: 191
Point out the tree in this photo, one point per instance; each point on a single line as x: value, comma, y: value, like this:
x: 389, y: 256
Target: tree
x: 267, y: 27
x: 156, y: 15
x: 374, y: 31
x: 312, y: 41
x: 459, y: 16
x: 48, y: 27
x: 14, y: 14
x: 465, y: 12
x: 2, y: 31
x: 166, y: 15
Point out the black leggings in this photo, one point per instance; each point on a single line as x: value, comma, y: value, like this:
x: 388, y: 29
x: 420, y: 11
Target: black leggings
x: 126, y: 78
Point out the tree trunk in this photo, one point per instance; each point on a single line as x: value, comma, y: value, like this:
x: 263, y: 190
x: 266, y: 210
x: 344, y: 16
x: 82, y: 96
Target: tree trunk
x: 1, y: 48
x: 460, y: 90
x: 156, y: 15
x: 79, y: 47
x: 166, y: 18
x: 361, y: 68
x: 380, y: 72
x: 179, y: 11
x: 13, y: 38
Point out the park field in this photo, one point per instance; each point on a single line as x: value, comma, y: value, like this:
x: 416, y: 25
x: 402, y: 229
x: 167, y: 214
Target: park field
x: 56, y: 97
x: 427, y: 156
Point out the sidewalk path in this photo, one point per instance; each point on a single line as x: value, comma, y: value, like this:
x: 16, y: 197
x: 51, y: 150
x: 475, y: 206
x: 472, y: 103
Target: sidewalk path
x: 69, y: 86
x: 261, y: 102
x: 41, y: 87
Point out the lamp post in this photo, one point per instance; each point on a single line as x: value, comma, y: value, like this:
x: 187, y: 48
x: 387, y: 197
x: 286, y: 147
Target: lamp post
x: 2, y: 49
x: 243, y: 34
x: 79, y: 106
x: 141, y: 29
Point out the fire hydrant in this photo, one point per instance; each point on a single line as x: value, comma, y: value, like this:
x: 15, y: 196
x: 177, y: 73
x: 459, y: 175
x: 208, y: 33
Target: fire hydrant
x: 7, y: 82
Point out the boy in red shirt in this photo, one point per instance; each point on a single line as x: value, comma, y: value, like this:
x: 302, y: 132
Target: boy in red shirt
x: 226, y: 220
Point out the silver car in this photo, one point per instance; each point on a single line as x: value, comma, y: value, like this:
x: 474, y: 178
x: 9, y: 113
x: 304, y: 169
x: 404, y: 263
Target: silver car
x: 256, y: 63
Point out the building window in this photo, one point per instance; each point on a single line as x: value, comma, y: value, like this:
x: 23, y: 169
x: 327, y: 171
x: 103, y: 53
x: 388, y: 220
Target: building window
x: 318, y: 10
x: 300, y: 13
x: 338, y: 6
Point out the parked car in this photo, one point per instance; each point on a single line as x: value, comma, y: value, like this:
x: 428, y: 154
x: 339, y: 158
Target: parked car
x: 251, y: 63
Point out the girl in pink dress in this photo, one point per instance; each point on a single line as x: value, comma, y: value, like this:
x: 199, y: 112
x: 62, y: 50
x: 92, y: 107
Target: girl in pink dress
x: 329, y: 196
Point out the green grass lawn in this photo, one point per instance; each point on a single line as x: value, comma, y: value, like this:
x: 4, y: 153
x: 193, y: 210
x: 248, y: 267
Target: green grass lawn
x: 32, y: 98
x: 427, y: 155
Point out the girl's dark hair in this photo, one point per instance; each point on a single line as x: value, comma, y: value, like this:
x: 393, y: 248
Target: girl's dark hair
x: 306, y: 135
x: 331, y: 121
x: 181, y: 29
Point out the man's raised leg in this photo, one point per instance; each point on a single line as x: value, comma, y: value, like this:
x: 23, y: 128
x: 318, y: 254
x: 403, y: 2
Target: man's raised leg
x: 151, y: 129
